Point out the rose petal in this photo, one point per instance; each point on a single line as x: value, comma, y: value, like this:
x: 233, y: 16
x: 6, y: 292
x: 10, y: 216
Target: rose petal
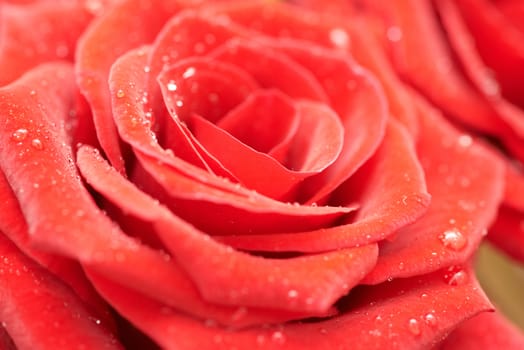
x: 204, y: 86
x: 466, y: 181
x: 50, y: 37
x: 319, y: 125
x: 499, y: 44
x: 420, y: 54
x: 315, y: 281
x: 73, y: 226
x: 62, y: 319
x: 190, y: 186
x: 485, y: 331
x: 356, y: 97
x: 389, y: 199
x: 416, y: 312
x: 261, y: 62
x: 107, y: 38
x: 13, y: 225
x: 507, y: 232
x: 514, y: 194
x: 482, y: 76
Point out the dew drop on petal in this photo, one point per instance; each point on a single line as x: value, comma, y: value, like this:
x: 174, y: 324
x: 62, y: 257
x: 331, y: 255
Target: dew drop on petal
x: 37, y: 144
x: 457, y: 278
x: 278, y: 337
x: 171, y: 86
x: 465, y: 141
x: 189, y: 72
x: 394, y: 33
x: 20, y: 134
x: 339, y: 37
x: 430, y: 319
x: 453, y: 239
x: 292, y: 294
x: 413, y: 326
x: 120, y: 93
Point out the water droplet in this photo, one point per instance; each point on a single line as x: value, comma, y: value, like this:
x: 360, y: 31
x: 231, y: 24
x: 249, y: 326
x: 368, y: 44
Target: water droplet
x: 457, y: 278
x: 171, y: 86
x: 401, y: 265
x: 278, y: 337
x: 93, y: 6
x: 453, y: 239
x: 179, y: 103
x: 32, y: 92
x: 394, y: 34
x: 147, y: 69
x: 20, y: 134
x: 37, y: 144
x: 430, y: 319
x: 465, y: 141
x: 189, y: 72
x: 413, y: 326
x: 323, y: 331
x: 375, y: 333
x: 120, y: 93
x: 292, y: 294
x: 339, y: 37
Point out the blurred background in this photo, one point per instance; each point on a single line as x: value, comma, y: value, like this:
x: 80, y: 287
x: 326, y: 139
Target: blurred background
x: 503, y: 281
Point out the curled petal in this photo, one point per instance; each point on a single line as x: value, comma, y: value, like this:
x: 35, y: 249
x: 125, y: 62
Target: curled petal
x: 486, y: 331
x: 408, y: 313
x: 463, y: 203
x: 315, y: 281
x: 26, y: 289
x: 388, y: 198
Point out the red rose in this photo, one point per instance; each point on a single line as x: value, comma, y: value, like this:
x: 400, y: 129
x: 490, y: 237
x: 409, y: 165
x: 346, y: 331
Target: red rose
x: 248, y: 183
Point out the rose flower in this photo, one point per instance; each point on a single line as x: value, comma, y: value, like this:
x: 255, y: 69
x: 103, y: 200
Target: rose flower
x: 233, y: 175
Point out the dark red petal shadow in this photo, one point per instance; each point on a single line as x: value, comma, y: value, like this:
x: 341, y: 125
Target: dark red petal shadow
x: 466, y: 181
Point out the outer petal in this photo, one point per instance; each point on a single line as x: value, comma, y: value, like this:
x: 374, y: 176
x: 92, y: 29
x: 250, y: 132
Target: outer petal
x: 49, y: 38
x: 466, y: 182
x: 310, y: 283
x: 27, y: 289
x: 406, y: 314
x: 420, y: 55
x: 485, y: 331
x: 114, y: 33
x: 499, y: 44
